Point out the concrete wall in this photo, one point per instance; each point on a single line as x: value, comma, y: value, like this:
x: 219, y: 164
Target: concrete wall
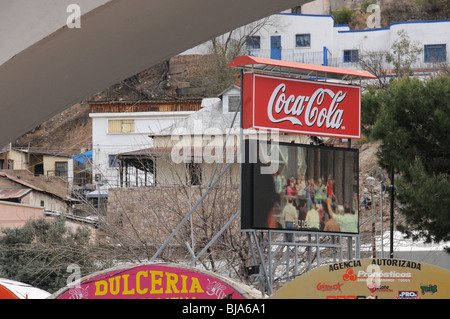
x: 151, y: 213
x: 49, y: 202
x: 13, y: 215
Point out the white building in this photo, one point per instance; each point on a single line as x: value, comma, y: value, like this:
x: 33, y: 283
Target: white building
x: 119, y: 127
x: 314, y: 39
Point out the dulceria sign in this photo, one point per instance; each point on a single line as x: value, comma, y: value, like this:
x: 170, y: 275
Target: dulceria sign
x: 155, y: 281
x: 301, y: 106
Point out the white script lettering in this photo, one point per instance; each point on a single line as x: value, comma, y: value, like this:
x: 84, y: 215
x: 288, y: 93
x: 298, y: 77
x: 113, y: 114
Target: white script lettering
x: 293, y: 107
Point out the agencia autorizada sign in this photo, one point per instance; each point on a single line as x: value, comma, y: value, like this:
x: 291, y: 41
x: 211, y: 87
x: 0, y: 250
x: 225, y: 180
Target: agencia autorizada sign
x: 301, y: 106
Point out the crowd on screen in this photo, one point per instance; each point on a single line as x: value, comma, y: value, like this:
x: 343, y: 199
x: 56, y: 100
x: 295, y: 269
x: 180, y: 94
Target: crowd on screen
x: 311, y: 204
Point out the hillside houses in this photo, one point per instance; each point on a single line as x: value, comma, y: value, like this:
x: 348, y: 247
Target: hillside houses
x: 125, y: 126
x: 20, y: 186
x: 38, y: 161
x: 314, y: 39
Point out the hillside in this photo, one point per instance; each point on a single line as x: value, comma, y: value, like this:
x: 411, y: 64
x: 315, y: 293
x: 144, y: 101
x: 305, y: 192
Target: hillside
x: 71, y: 130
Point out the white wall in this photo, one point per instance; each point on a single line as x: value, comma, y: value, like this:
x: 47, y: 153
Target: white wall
x: 105, y: 144
x: 340, y: 38
x: 288, y: 25
x: 318, y: 26
x: 422, y: 32
x: 426, y: 32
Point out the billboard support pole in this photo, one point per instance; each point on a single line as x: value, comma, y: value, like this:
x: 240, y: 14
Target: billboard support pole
x: 287, y: 240
x: 210, y: 187
x: 213, y: 239
x: 266, y: 276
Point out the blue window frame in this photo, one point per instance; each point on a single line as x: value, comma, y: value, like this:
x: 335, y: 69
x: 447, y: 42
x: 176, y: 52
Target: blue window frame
x: 435, y: 53
x: 302, y: 40
x: 351, y: 56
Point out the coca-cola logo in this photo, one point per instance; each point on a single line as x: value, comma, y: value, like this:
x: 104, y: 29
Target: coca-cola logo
x: 301, y: 106
x: 310, y: 108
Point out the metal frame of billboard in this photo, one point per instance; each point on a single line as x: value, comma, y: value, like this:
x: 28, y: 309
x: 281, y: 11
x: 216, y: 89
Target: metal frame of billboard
x: 275, y: 248
x: 265, y: 275
x: 288, y: 240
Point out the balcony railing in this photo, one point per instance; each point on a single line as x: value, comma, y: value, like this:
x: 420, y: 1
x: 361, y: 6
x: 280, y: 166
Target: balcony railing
x: 317, y: 58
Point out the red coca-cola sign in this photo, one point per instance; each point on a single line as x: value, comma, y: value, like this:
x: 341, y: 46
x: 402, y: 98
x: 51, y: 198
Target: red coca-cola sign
x: 301, y: 106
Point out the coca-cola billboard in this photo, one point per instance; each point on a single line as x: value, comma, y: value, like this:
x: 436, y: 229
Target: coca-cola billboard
x: 301, y: 106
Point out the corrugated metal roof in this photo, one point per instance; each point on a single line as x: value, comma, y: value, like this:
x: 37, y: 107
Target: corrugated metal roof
x: 257, y: 64
x: 13, y: 193
x: 50, y: 185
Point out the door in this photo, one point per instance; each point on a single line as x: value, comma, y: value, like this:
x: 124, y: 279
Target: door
x: 275, y: 47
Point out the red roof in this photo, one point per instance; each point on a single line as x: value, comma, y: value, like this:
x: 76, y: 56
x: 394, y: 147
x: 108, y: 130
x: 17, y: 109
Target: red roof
x: 276, y: 66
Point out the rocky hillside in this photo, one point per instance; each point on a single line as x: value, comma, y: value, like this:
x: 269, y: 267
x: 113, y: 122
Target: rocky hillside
x: 71, y: 130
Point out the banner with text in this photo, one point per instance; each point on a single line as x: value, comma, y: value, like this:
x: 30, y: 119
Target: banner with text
x: 156, y: 281
x: 301, y: 106
x: 370, y: 279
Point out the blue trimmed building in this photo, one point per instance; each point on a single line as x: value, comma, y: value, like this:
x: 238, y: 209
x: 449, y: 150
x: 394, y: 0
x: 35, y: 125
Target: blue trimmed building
x: 314, y: 39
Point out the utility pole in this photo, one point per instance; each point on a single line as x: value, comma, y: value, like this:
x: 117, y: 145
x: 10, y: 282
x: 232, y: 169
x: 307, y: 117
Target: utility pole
x: 391, y: 254
x: 381, y: 218
x: 371, y: 181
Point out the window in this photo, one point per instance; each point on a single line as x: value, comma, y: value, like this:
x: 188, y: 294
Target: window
x: 113, y: 162
x: 121, y: 126
x: 194, y: 171
x: 233, y: 103
x: 435, y: 53
x: 253, y: 42
x: 351, y: 56
x: 61, y: 169
x: 296, y: 9
x: 302, y: 40
x: 10, y: 164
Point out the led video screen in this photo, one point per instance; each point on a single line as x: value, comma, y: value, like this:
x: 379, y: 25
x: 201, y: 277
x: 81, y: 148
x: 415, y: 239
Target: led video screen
x: 303, y: 188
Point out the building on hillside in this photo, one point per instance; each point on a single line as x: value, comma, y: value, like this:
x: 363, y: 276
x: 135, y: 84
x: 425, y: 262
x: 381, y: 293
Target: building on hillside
x: 124, y: 126
x: 187, y: 152
x: 314, y: 39
x: 80, y: 173
x: 22, y: 187
x: 177, y: 170
x: 37, y: 160
x: 198, y: 139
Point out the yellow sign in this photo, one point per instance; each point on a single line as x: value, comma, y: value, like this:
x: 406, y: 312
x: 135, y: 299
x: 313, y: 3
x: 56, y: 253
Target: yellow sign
x: 370, y: 279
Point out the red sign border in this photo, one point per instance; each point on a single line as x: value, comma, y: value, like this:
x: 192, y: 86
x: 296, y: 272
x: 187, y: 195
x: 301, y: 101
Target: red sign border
x: 248, y: 113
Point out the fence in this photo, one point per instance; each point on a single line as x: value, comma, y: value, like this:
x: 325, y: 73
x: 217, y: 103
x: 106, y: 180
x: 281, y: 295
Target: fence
x: 318, y: 57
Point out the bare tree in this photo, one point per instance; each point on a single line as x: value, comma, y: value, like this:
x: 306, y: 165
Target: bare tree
x: 213, y: 76
x: 375, y: 63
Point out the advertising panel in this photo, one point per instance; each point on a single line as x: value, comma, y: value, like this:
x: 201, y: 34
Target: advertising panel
x: 311, y: 188
x: 155, y: 281
x: 301, y: 106
x: 375, y: 278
